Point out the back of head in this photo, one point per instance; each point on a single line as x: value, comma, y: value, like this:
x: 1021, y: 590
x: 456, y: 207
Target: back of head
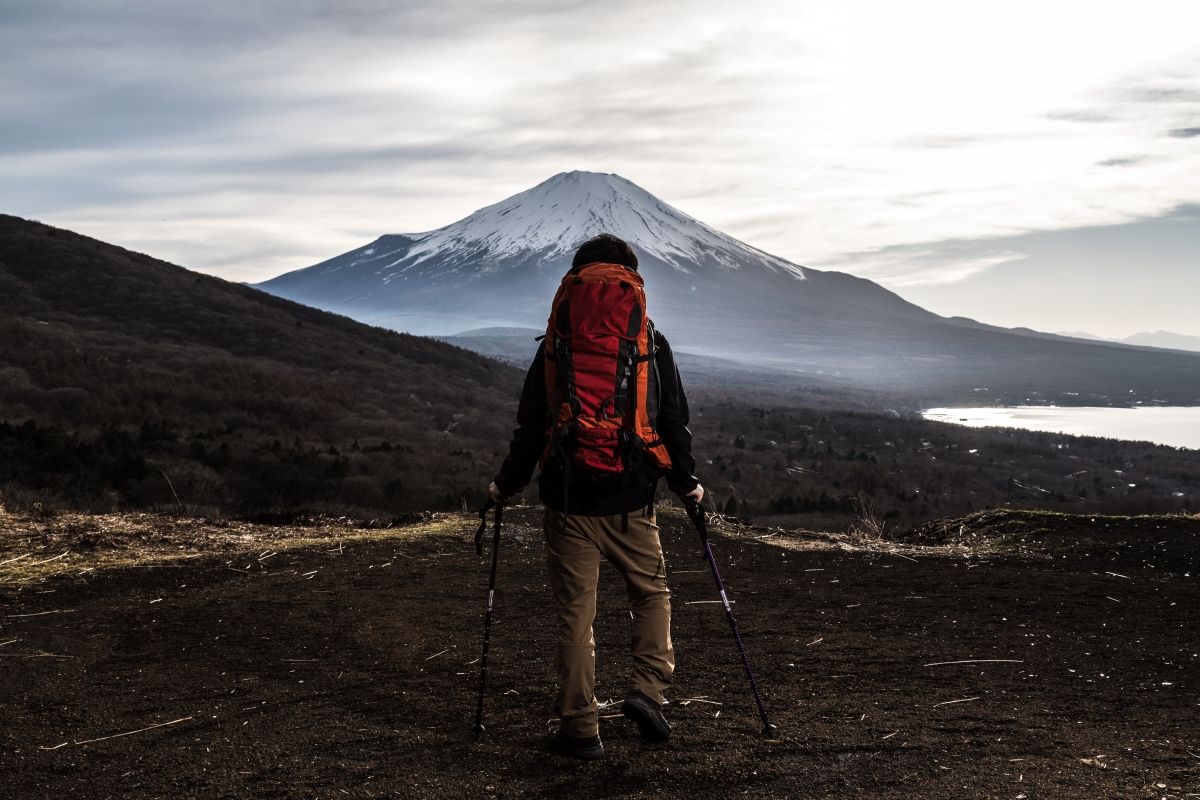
x: 605, y: 248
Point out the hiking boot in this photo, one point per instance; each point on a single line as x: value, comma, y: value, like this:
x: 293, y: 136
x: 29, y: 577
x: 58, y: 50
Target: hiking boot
x: 647, y: 715
x: 585, y: 748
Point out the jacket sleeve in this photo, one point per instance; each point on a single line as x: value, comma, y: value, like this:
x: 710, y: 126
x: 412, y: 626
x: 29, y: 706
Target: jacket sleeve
x: 673, y: 420
x: 529, y: 437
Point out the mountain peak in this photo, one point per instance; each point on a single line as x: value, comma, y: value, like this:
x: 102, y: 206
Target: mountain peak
x: 584, y: 178
x: 550, y: 220
x: 582, y: 175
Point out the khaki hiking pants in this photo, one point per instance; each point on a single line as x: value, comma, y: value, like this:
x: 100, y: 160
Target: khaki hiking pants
x: 574, y: 545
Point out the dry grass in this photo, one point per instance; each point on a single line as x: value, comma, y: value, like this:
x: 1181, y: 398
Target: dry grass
x: 37, y: 546
x: 34, y: 547
x: 866, y: 535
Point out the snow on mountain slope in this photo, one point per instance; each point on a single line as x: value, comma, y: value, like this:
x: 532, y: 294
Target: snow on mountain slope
x: 552, y: 218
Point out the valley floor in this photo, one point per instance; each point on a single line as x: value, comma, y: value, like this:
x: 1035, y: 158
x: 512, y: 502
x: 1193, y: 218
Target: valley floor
x: 249, y: 661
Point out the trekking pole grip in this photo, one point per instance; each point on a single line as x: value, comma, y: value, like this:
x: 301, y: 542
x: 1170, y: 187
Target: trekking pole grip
x: 695, y: 513
x: 483, y: 525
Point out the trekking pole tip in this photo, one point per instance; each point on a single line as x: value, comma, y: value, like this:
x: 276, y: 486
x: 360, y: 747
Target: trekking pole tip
x: 479, y: 730
x: 769, y: 731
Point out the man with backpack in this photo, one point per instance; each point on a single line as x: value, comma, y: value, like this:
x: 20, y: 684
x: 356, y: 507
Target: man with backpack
x: 604, y: 413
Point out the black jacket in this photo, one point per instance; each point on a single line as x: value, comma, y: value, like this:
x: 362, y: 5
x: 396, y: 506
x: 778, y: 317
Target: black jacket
x: 591, y: 495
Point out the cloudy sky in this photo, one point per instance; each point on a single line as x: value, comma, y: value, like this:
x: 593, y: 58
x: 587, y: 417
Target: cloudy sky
x: 1023, y: 163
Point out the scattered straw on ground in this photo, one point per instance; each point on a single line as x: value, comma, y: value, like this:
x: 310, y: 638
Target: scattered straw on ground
x: 36, y: 547
x: 856, y: 540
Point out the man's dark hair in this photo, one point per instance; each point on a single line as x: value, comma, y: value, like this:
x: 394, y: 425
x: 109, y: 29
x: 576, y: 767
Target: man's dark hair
x: 606, y: 248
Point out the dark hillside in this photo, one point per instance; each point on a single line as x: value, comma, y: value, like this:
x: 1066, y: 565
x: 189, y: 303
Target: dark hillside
x: 127, y: 382
x: 119, y: 371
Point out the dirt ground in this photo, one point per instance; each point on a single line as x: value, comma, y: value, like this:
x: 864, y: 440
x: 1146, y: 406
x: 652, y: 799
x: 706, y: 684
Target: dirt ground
x: 327, y: 662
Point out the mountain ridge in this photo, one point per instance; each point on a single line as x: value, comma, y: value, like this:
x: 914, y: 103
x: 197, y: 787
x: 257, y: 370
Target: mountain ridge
x: 715, y: 296
x: 1168, y: 340
x: 519, y: 247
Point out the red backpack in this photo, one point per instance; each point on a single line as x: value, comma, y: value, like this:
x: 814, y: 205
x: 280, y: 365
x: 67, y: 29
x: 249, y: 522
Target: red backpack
x: 601, y: 383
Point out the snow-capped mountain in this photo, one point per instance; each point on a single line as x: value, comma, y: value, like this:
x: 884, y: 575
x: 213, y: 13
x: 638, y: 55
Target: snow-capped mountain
x: 500, y: 265
x: 551, y: 219
x: 711, y: 294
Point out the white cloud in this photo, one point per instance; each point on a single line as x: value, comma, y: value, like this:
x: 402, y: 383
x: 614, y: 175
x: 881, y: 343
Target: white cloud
x: 924, y: 266
x: 248, y: 140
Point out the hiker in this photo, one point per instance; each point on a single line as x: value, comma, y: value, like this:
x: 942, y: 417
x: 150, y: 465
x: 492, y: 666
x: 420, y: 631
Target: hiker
x: 604, y: 412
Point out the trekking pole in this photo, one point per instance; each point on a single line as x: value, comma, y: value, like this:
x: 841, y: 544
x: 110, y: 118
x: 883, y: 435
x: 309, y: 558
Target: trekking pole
x: 696, y: 513
x: 487, y: 617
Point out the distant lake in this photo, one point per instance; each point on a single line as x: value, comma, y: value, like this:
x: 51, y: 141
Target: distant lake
x: 1178, y: 426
